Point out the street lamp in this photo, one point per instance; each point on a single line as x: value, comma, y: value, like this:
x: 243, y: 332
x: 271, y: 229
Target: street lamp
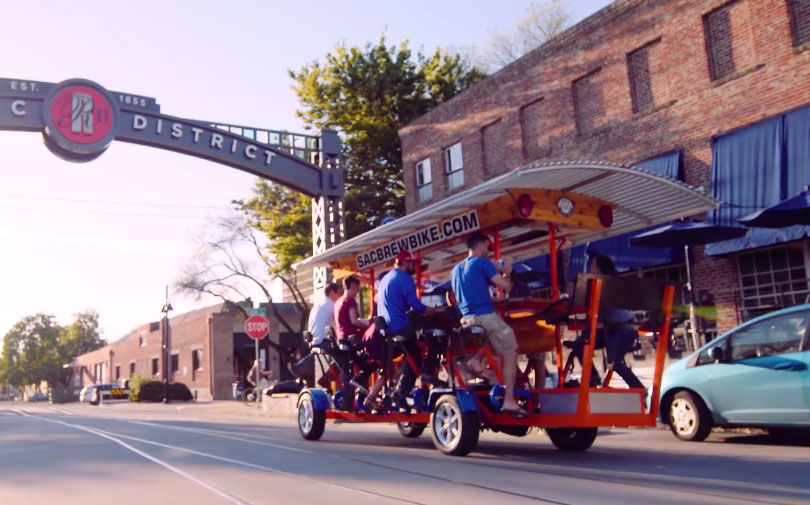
x: 166, y: 352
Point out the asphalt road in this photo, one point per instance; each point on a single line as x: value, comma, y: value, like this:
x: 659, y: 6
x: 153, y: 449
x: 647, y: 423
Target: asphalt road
x: 196, y: 454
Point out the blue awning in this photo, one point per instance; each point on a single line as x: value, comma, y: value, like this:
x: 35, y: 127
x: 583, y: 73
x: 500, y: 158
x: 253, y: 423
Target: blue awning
x: 618, y: 248
x: 756, y: 167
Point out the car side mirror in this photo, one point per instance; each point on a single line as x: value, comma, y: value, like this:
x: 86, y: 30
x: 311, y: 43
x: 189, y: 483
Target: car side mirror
x: 716, y: 353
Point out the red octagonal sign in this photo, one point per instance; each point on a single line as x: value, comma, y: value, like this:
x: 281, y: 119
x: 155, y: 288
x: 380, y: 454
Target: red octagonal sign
x: 257, y: 326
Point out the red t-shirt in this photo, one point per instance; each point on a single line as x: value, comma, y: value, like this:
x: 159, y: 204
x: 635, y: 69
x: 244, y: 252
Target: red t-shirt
x: 343, y: 323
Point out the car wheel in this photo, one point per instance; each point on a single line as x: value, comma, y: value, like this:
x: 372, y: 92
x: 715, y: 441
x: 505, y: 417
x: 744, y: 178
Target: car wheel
x: 311, y: 421
x: 411, y: 430
x: 454, y: 432
x: 689, y: 419
x: 572, y: 439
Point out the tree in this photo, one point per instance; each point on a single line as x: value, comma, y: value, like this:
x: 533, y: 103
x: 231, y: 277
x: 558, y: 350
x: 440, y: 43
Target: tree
x: 35, y: 348
x: 31, y: 351
x: 542, y: 22
x: 368, y: 94
x: 81, y: 336
x: 284, y: 216
x: 230, y: 261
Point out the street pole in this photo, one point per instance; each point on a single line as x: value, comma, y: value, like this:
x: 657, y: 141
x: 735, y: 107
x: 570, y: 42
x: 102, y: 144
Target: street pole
x: 166, y: 347
x: 256, y: 392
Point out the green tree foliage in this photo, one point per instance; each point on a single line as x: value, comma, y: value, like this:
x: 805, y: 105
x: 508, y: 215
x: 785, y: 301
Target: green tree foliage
x: 31, y: 351
x: 368, y: 94
x: 35, y: 348
x: 284, y: 216
x: 81, y: 336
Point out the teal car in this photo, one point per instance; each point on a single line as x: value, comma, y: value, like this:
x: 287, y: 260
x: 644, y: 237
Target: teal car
x: 756, y: 375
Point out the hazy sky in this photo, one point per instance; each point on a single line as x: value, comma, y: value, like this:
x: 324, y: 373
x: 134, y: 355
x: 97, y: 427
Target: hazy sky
x: 110, y: 234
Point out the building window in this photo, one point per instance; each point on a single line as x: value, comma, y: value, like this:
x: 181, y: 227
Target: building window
x: 131, y: 369
x: 799, y: 11
x: 589, y: 102
x: 772, y: 278
x: 155, y: 366
x: 492, y: 140
x: 729, y: 39
x: 196, y: 359
x: 424, y: 181
x: 638, y: 71
x: 454, y: 166
x: 142, y: 339
x: 531, y: 126
x: 175, y: 362
x: 117, y: 372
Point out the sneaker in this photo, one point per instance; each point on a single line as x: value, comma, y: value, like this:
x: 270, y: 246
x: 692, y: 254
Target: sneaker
x: 429, y: 379
x: 400, y: 401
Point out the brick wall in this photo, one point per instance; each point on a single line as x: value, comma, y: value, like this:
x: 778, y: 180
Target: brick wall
x: 206, y: 329
x: 585, y: 95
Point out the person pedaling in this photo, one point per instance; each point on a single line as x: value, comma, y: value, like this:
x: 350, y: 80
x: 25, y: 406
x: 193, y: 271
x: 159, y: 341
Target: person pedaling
x: 396, y: 297
x: 470, y: 280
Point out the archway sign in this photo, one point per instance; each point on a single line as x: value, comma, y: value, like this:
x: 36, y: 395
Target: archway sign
x: 79, y: 119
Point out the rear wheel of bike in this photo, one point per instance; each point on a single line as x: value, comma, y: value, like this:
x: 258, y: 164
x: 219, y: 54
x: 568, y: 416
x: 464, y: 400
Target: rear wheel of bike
x: 411, y: 430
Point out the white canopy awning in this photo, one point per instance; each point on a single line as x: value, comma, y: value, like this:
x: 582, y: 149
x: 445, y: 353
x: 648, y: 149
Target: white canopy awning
x: 642, y: 199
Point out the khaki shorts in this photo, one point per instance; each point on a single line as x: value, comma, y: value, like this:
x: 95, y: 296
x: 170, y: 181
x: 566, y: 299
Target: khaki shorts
x: 499, y: 333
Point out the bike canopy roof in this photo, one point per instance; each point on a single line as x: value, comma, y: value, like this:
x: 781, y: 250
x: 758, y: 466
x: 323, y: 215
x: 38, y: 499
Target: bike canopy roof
x: 578, y: 201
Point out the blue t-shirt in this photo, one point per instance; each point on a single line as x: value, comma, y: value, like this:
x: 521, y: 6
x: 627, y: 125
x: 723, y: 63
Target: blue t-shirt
x: 397, y: 294
x: 471, y: 280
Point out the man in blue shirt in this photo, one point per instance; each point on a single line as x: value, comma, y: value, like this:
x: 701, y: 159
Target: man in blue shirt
x: 397, y: 295
x: 471, y: 280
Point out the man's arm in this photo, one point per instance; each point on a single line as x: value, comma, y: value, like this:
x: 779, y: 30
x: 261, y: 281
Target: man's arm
x: 355, y: 320
x: 499, y: 279
x: 415, y: 303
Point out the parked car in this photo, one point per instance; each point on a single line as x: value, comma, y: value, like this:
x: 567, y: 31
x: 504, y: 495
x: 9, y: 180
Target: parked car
x: 756, y: 375
x: 91, y: 393
x: 38, y: 397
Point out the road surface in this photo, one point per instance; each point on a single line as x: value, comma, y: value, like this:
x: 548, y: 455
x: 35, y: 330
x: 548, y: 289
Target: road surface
x: 192, y: 454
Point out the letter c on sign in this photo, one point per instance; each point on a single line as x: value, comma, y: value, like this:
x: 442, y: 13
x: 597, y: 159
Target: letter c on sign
x: 18, y: 108
x: 250, y: 151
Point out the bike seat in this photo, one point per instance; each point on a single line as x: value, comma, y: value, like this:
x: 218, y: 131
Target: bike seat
x: 344, y: 346
x: 472, y: 330
x: 400, y: 338
x: 355, y: 341
x: 434, y: 333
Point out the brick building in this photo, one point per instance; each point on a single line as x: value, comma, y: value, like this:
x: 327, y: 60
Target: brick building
x: 633, y: 82
x: 209, y: 351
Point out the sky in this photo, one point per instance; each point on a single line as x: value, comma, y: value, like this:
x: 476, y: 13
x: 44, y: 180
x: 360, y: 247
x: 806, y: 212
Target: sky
x: 110, y: 234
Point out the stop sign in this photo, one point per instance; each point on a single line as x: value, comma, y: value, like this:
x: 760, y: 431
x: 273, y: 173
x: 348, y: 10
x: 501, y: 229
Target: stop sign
x: 257, y: 326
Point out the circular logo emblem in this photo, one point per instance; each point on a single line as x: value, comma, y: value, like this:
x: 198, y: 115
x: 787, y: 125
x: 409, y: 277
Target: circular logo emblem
x: 80, y: 119
x: 565, y: 206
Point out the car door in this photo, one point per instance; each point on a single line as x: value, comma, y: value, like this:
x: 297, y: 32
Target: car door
x: 764, y: 377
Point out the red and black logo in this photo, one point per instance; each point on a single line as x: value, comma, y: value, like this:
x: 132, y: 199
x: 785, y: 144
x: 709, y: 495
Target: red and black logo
x: 80, y: 120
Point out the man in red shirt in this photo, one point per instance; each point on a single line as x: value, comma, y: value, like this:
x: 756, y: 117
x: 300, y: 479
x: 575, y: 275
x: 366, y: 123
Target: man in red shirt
x: 346, y: 319
x: 348, y: 323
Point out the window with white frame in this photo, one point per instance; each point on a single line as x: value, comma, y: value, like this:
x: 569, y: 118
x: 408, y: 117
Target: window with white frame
x: 773, y: 278
x: 424, y: 181
x: 454, y: 167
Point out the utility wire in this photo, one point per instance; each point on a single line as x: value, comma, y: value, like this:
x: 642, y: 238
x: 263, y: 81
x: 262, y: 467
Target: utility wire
x: 101, y: 212
x: 110, y: 202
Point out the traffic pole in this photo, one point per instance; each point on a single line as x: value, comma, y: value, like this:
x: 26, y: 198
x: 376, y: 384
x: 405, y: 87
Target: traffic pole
x: 258, y: 365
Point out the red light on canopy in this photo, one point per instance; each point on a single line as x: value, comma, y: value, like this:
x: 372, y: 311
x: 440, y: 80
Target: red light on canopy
x: 606, y: 216
x: 525, y: 205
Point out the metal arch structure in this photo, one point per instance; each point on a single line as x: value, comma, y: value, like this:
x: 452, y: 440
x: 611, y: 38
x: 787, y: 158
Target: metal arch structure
x: 79, y: 119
